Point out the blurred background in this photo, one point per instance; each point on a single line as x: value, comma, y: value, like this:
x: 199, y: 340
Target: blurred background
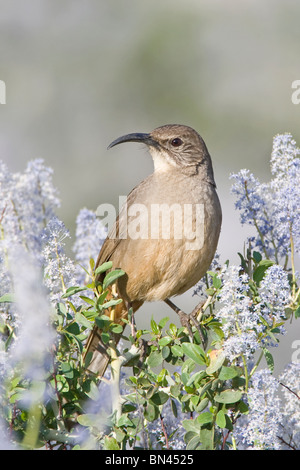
x: 79, y: 74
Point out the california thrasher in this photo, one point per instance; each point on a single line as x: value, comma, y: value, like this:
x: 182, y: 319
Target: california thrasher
x: 162, y: 258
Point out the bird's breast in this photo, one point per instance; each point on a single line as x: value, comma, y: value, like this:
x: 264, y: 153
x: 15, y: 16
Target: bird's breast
x: 172, y: 234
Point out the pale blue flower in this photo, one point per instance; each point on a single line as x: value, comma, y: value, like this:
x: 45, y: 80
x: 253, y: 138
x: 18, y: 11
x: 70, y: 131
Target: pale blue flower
x: 274, y: 292
x: 274, y: 207
x: 290, y: 392
x: 90, y: 235
x: 59, y: 269
x: 260, y: 428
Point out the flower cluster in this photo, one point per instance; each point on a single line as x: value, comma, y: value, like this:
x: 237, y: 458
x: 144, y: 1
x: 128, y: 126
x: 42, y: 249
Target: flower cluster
x: 260, y: 428
x: 31, y: 349
x: 31, y: 235
x: 247, y: 321
x: 90, y: 234
x: 237, y: 314
x: 273, y: 421
x: 274, y: 292
x: 290, y: 392
x: 274, y: 207
x: 59, y: 269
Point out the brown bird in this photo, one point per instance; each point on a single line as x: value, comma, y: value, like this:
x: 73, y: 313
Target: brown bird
x: 166, y: 234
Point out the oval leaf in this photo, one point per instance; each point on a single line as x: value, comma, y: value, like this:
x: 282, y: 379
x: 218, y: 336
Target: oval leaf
x: 217, y: 357
x: 228, y: 396
x: 195, y: 352
x: 111, y: 277
x: 104, y: 267
x: 220, y: 419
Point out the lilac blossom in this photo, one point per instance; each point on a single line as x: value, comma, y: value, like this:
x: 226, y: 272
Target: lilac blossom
x: 59, y: 270
x: 245, y: 321
x: 274, y: 292
x: 27, y: 203
x: 34, y: 334
x: 90, y: 234
x: 290, y: 392
x: 274, y: 207
x: 237, y: 314
x: 260, y: 428
x: 285, y: 167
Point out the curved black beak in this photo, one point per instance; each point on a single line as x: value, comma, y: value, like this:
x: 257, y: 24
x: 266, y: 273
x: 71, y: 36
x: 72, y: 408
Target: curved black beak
x: 135, y: 137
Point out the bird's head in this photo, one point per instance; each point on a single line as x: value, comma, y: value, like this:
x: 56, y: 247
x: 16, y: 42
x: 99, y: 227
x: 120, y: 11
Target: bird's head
x: 174, y: 146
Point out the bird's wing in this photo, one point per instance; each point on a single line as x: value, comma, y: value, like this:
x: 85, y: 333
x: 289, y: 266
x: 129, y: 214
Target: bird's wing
x: 114, y: 238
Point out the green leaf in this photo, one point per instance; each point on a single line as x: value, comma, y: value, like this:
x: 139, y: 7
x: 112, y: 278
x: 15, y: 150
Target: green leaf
x: 104, y: 267
x: 110, y: 443
x: 71, y: 291
x: 7, y: 298
x: 204, y: 418
x: 82, y: 320
x: 297, y: 312
x: 173, y: 329
x: 165, y: 341
x: 269, y: 359
x: 217, y: 283
x: 88, y: 420
x: 227, y: 373
x: 88, y: 300
x: 163, y: 321
x: 125, y: 421
x: 195, y: 352
x: 62, y: 384
x: 155, y: 359
x: 159, y: 398
x: 228, y: 396
x: 259, y: 272
x: 110, y: 303
x: 194, y: 443
x: 165, y: 352
x: 105, y: 337
x: 161, y: 375
x: 111, y: 277
x: 228, y: 424
x: 207, y: 438
x: 217, y: 357
x: 220, y: 419
x: 67, y: 370
x: 257, y: 256
x: 92, y: 391
x: 73, y: 329
x: 191, y: 425
x: 243, y: 262
x: 151, y: 412
x: 115, y: 328
x: 175, y: 390
x: 177, y: 350
x: 197, y: 376
x: 154, y: 326
x: 103, y: 321
x: 202, y: 405
x: 174, y: 407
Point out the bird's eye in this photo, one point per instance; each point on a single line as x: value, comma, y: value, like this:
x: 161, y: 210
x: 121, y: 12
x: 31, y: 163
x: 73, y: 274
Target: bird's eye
x: 176, y: 142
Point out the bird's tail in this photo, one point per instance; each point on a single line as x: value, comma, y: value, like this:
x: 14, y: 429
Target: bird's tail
x: 100, y: 357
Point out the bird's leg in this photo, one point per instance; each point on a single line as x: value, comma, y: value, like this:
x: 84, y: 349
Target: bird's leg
x: 197, y: 310
x: 185, y: 318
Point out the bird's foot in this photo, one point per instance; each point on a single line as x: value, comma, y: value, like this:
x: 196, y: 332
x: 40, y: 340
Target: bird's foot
x: 188, y: 320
